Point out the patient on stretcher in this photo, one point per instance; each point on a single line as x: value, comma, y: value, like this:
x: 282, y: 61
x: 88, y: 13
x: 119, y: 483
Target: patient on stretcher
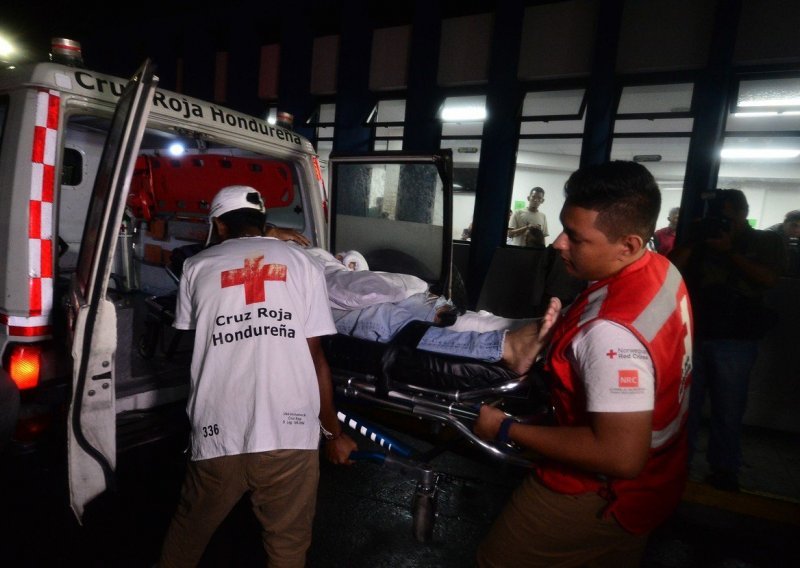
x: 377, y: 305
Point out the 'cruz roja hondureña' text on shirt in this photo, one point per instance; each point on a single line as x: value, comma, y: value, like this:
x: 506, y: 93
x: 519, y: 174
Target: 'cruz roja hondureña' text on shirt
x: 274, y: 327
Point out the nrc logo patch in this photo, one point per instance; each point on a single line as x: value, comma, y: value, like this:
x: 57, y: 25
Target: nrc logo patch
x: 628, y: 379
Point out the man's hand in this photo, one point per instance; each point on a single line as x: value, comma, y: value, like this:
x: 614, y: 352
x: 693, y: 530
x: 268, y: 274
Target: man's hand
x: 338, y: 451
x: 488, y: 423
x: 287, y: 235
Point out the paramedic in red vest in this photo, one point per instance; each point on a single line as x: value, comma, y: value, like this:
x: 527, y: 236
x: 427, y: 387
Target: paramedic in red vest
x: 261, y: 394
x: 614, y: 465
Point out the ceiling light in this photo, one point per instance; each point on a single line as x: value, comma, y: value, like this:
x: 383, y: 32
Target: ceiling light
x: 785, y: 101
x: 759, y: 153
x: 176, y: 149
x: 752, y: 114
x: 6, y: 48
x: 463, y: 113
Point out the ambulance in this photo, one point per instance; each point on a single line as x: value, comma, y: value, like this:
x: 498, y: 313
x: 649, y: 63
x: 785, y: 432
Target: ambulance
x: 101, y: 181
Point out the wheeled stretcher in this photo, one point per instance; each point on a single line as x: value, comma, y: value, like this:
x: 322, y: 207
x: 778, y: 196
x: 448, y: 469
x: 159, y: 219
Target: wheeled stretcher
x: 399, y: 378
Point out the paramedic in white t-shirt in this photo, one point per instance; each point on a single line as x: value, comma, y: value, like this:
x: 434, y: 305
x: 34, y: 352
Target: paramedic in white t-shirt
x: 261, y: 389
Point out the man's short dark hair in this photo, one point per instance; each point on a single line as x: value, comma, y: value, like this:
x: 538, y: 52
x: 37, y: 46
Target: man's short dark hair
x: 535, y: 190
x: 792, y: 216
x: 625, y: 195
x: 736, y: 198
x: 239, y: 221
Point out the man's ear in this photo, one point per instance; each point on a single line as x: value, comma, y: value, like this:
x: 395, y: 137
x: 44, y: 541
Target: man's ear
x: 632, y: 244
x: 220, y: 228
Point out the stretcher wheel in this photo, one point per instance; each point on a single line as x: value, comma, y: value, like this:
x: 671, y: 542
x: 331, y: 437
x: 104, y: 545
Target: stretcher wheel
x: 423, y: 515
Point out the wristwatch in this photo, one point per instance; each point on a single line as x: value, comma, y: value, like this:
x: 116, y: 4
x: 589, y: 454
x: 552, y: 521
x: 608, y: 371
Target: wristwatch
x: 327, y: 434
x: 505, y: 426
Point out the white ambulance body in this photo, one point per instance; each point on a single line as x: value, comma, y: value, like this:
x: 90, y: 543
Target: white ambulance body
x: 54, y: 121
x: 101, y: 181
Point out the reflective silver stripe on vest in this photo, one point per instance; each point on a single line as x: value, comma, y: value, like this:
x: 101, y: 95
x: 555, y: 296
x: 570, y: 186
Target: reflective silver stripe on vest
x: 661, y: 307
x: 593, y: 304
x: 661, y: 437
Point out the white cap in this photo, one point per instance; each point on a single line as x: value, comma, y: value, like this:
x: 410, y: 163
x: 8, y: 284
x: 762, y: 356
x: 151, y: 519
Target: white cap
x: 353, y: 260
x: 232, y: 198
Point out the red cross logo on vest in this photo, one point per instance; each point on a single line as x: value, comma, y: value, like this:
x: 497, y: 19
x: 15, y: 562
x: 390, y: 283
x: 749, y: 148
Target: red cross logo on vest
x: 611, y: 353
x: 253, y: 276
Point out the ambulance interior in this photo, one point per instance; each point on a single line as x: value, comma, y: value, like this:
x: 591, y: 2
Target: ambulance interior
x: 175, y: 178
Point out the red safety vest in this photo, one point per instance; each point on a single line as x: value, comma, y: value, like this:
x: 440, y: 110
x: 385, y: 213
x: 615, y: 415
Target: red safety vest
x: 650, y: 299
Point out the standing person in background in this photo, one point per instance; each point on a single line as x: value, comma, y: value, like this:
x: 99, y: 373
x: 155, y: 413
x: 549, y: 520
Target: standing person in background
x: 665, y: 238
x: 528, y: 227
x: 728, y: 267
x: 260, y: 391
x: 614, y: 465
x: 789, y: 231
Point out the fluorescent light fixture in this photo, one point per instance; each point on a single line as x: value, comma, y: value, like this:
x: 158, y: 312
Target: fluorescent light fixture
x: 759, y: 153
x: 176, y: 149
x: 784, y: 101
x: 463, y: 113
x: 791, y: 113
x: 752, y: 114
x: 272, y: 115
x: 6, y: 48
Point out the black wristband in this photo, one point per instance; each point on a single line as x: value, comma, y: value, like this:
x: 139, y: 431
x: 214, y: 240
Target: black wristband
x: 505, y: 426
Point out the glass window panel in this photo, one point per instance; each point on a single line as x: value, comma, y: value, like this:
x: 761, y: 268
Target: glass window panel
x: 391, y: 111
x: 327, y: 113
x: 465, y: 129
x: 642, y: 99
x: 392, y: 213
x: 769, y: 93
x: 464, y: 109
x: 466, y: 156
x: 381, y: 145
x: 389, y: 131
x: 771, y: 185
x: 325, y: 132
x: 545, y: 163
x: 763, y: 122
x: 552, y: 127
x: 668, y: 165
x: 642, y: 126
x: 552, y: 103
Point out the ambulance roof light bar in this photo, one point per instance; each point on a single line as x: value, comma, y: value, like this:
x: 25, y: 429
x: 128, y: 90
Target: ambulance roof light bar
x: 66, y: 51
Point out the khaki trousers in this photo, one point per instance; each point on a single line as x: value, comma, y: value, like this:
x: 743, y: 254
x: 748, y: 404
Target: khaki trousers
x: 539, y: 527
x: 283, y: 491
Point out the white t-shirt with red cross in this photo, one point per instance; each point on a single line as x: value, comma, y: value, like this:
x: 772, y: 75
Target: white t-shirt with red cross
x: 616, y: 369
x: 253, y: 303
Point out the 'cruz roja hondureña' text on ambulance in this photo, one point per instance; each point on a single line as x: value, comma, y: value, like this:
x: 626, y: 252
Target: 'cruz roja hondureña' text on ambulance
x: 188, y: 109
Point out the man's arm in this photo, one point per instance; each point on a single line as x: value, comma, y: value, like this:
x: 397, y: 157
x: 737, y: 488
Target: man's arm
x: 338, y: 448
x: 284, y: 234
x: 615, y: 443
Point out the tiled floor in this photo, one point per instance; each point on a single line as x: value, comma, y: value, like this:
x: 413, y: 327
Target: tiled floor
x: 771, y: 464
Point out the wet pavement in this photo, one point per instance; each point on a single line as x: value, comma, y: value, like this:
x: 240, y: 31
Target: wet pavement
x: 363, y: 518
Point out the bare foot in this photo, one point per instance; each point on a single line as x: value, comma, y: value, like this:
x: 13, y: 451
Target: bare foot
x: 522, y: 345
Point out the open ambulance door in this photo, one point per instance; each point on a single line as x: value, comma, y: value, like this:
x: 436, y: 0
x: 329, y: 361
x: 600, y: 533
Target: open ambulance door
x: 91, y: 428
x: 396, y: 209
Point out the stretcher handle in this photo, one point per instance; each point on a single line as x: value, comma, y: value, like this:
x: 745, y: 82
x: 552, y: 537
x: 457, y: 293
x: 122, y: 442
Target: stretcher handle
x: 371, y: 432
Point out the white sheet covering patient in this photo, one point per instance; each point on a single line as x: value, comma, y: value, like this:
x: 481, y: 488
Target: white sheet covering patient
x: 376, y: 305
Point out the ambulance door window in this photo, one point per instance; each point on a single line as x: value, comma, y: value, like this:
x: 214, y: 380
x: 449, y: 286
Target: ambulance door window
x: 71, y: 167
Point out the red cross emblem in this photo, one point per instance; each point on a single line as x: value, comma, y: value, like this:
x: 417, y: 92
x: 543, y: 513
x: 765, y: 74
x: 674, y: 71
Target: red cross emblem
x: 611, y: 353
x: 253, y: 276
